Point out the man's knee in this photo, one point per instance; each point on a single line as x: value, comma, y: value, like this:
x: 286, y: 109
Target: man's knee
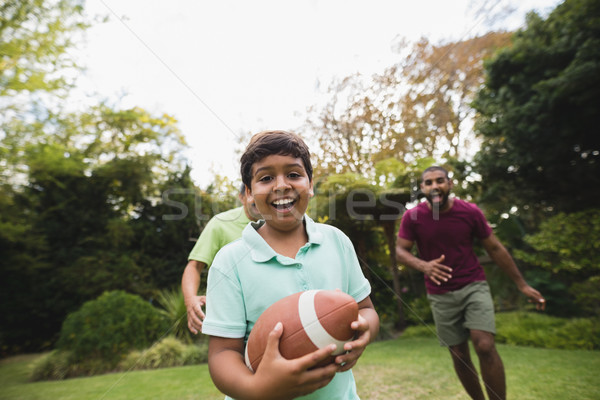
x: 483, y: 343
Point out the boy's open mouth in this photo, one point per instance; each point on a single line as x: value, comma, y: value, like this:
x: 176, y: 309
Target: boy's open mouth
x: 284, y: 204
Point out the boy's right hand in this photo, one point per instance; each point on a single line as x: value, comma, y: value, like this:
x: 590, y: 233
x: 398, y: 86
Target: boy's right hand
x: 287, y: 379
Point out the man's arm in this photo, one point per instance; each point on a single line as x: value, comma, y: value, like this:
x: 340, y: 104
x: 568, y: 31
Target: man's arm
x: 190, y: 283
x: 503, y: 259
x: 434, y: 269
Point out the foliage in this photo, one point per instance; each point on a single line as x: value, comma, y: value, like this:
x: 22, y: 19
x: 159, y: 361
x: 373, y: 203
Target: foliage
x: 59, y: 365
x: 35, y: 36
x: 534, y: 329
x: 169, y: 352
x: 172, y: 306
x: 538, y: 330
x: 415, y: 109
x: 587, y: 295
x: 419, y: 311
x: 110, y: 326
x: 537, y: 115
x: 567, y: 242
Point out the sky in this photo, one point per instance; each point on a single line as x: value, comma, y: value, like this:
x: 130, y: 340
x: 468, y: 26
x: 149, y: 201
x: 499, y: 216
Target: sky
x: 229, y: 67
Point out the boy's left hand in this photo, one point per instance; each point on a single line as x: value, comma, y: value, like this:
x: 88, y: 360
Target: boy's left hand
x: 355, y: 348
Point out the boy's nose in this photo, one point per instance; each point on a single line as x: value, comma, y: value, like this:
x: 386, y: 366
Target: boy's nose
x: 281, y: 183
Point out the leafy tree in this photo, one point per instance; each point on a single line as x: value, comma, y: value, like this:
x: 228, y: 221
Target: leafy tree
x: 537, y: 115
x: 415, y: 109
x: 34, y: 38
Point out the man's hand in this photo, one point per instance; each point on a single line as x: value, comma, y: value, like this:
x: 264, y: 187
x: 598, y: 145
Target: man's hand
x: 195, y: 314
x: 535, y: 297
x: 436, y: 271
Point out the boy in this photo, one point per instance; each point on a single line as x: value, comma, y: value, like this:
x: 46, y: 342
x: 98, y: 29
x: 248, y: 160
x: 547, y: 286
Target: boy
x: 223, y: 228
x: 284, y: 253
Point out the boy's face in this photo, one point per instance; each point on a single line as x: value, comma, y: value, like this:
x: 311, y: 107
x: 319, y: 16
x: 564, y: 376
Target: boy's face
x: 281, y: 189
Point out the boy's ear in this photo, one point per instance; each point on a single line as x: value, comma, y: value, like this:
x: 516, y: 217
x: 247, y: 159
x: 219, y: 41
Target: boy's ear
x: 249, y: 196
x: 311, y: 191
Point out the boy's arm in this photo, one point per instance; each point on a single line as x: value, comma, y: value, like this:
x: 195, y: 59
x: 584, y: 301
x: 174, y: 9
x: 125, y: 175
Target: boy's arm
x: 367, y: 328
x: 190, y: 283
x: 275, y: 379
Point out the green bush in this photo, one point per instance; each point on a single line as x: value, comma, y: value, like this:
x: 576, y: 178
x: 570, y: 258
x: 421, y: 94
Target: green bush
x: 540, y: 330
x: 169, y: 352
x: 535, y: 330
x: 418, y: 311
x: 110, y: 326
x: 59, y: 364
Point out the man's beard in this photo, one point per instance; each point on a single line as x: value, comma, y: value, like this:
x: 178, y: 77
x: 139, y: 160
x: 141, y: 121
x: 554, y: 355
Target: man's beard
x: 439, y: 205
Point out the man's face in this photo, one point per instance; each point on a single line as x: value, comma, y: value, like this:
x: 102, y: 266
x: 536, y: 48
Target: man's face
x: 436, y: 187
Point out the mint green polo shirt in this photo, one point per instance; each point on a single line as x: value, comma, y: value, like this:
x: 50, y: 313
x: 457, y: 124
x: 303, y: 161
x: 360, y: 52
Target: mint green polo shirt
x: 222, y: 229
x: 247, y: 276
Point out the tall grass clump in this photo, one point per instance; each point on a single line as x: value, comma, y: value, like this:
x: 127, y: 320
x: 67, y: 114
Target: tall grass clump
x: 169, y: 352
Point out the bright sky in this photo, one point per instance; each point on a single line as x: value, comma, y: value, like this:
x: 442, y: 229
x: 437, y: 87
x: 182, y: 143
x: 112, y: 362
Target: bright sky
x: 227, y: 67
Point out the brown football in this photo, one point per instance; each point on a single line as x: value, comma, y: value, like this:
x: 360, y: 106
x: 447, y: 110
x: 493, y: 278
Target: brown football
x: 311, y: 320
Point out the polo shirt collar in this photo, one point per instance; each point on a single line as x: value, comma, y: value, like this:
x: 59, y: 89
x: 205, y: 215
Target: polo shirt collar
x: 262, y: 252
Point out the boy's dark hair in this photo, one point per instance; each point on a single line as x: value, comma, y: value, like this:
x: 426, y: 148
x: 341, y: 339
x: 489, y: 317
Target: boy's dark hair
x: 268, y: 143
x: 435, y: 168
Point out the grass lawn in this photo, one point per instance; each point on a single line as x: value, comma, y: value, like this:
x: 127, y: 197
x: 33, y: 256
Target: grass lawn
x: 414, y: 368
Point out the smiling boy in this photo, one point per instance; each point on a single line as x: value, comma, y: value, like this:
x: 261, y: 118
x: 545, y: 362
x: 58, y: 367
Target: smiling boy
x: 284, y: 253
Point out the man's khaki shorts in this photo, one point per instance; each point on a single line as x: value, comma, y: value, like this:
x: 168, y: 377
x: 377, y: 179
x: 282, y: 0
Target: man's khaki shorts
x: 457, y: 312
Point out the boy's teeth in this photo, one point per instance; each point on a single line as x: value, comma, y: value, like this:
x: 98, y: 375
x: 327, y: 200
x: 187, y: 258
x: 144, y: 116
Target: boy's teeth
x: 282, y: 202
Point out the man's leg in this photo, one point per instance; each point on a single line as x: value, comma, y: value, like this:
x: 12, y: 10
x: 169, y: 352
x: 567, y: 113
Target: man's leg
x: 490, y: 363
x: 467, y: 374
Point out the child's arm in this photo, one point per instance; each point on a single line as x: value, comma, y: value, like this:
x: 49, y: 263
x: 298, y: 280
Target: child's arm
x: 367, y: 327
x: 275, y: 379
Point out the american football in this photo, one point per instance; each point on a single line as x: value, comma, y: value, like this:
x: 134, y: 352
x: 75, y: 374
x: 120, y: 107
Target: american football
x: 311, y: 320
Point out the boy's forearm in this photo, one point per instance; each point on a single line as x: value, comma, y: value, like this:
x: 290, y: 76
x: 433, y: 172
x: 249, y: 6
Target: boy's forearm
x: 190, y: 281
x: 373, y: 318
x: 230, y: 375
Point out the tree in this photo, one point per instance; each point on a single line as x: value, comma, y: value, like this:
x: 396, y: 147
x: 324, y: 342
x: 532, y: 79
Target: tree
x: 537, y: 115
x: 34, y: 38
x: 415, y: 109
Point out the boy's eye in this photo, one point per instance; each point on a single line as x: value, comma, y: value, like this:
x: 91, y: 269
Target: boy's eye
x: 294, y: 175
x: 265, y: 178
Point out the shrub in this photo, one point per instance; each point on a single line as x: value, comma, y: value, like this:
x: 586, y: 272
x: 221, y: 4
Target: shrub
x: 110, y: 326
x: 59, y: 364
x: 172, y: 306
x: 169, y: 352
x: 539, y: 330
x: 419, y: 311
x: 535, y: 330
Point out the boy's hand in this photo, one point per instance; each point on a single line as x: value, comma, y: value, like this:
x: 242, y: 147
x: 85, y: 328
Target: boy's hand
x: 279, y: 378
x: 355, y: 348
x: 195, y: 314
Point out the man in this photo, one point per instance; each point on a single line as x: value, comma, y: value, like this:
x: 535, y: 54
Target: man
x: 443, y: 229
x: 222, y: 229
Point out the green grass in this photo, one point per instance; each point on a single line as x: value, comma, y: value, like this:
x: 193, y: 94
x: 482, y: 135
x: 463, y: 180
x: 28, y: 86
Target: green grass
x: 401, y: 369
